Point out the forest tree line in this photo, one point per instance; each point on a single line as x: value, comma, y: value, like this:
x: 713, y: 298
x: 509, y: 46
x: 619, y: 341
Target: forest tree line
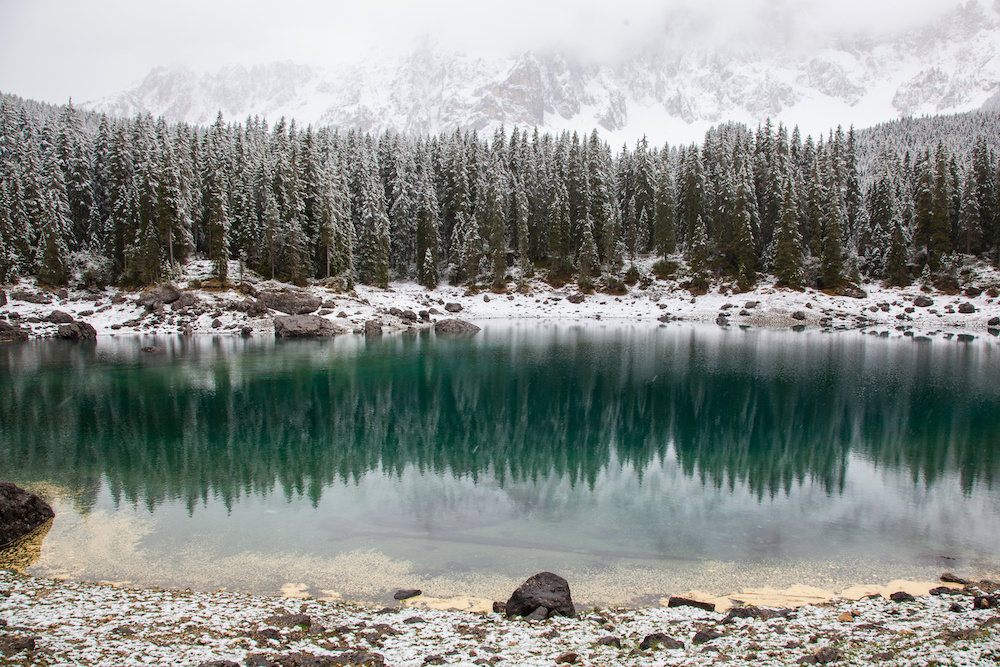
x: 92, y: 200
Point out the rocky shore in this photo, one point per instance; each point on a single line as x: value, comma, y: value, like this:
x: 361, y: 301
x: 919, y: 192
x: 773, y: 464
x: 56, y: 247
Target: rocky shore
x: 47, y: 622
x: 252, y: 306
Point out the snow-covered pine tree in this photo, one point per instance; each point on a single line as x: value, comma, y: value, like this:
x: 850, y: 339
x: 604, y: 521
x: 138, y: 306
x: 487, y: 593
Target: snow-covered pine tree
x: 697, y: 255
x: 427, y: 242
x: 664, y: 235
x: 788, y: 247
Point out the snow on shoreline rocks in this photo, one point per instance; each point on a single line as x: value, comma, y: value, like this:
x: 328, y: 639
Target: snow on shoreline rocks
x: 192, y: 306
x: 58, y: 623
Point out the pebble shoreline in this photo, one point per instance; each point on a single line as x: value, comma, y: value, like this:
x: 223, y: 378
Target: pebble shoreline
x: 50, y: 622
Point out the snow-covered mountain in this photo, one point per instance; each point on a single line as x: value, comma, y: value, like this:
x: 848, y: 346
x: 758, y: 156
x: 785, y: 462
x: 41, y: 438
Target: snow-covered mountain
x: 666, y: 91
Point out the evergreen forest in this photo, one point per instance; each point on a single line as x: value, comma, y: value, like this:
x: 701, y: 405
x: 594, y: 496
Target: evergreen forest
x: 90, y: 200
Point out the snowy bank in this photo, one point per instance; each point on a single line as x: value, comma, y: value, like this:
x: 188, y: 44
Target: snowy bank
x: 250, y: 307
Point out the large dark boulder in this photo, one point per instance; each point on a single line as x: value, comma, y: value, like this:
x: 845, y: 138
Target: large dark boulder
x: 59, y: 317
x: 161, y: 294
x: 305, y: 326
x: 20, y: 512
x: 185, y: 300
x: 31, y: 297
x: 455, y: 327
x: 922, y: 301
x: 544, y: 590
x: 79, y: 331
x: 292, y: 303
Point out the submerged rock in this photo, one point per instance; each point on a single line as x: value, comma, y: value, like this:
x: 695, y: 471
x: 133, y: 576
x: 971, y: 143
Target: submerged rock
x: 20, y: 512
x: 675, y: 601
x: 305, y: 326
x: 406, y: 593
x: 11, y: 333
x: 544, y: 590
x: 453, y: 326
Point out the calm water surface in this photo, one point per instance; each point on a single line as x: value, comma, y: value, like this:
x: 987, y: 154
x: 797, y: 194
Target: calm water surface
x: 636, y: 461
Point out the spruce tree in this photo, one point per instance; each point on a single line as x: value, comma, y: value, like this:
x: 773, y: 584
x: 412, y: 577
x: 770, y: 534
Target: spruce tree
x: 896, y: 272
x: 373, y: 241
x: 494, y: 224
x: 559, y: 232
x: 939, y: 241
x: 427, y: 231
x: 520, y: 206
x: 664, y: 234
x: 832, y: 265
x: 588, y: 255
x: 217, y: 229
x: 8, y: 254
x: 470, y: 247
x: 698, y: 256
x: 788, y: 249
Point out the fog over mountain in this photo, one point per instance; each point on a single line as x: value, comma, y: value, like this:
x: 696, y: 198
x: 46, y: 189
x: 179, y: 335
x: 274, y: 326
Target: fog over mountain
x: 668, y: 70
x: 670, y: 89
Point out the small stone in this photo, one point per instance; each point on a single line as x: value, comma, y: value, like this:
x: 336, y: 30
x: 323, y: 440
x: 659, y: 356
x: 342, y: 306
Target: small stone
x: 289, y: 620
x: 901, y: 596
x: 486, y: 298
x: 705, y: 635
x: 435, y: 660
x: 956, y: 608
x: 610, y: 640
x: 846, y: 617
x: 798, y: 315
x: 984, y: 602
x: 219, y: 663
x: 568, y: 659
x: 453, y: 307
x: 966, y: 308
x: 993, y: 322
x: 414, y: 619
x: 406, y: 593
x: 499, y: 607
x: 11, y: 645
x: 216, y: 323
x: 827, y: 654
x: 659, y: 639
x: 373, y: 328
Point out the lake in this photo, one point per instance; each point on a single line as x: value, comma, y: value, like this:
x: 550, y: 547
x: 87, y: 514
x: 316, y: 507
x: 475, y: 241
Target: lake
x: 635, y: 460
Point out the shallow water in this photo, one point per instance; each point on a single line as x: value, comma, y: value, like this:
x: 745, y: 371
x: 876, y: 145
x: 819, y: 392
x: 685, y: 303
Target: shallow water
x: 637, y: 461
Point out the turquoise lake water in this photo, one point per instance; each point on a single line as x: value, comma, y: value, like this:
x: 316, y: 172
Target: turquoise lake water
x: 635, y: 460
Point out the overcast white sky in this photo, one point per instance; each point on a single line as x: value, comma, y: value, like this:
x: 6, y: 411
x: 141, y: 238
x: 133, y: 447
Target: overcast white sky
x: 85, y: 49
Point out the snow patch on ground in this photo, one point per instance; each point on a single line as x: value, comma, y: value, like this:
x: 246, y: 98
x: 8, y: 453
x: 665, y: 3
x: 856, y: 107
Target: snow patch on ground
x: 885, y: 311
